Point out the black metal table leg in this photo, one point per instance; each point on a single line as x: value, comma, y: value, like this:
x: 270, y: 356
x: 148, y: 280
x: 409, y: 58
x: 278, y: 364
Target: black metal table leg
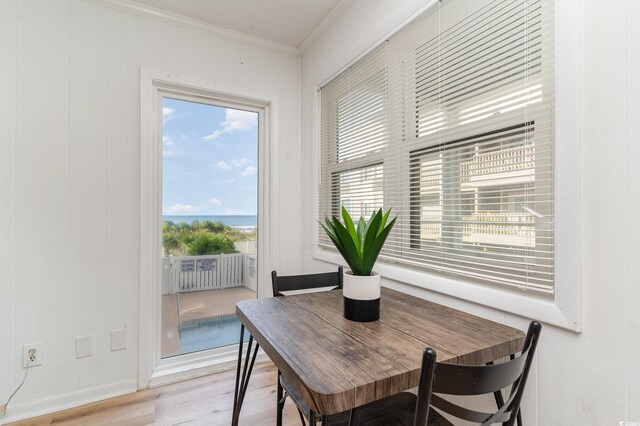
x: 280, y: 401
x: 242, y: 378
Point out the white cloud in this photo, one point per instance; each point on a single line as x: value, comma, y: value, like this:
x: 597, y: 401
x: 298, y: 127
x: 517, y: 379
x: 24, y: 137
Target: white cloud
x: 239, y: 120
x: 215, y: 202
x: 213, y: 135
x: 235, y: 120
x: 181, y: 209
x: 168, y: 142
x: 222, y: 165
x: 240, y: 163
x: 167, y: 114
x: 249, y: 171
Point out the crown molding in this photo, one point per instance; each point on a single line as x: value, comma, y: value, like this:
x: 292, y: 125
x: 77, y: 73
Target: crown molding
x: 183, y: 21
x: 327, y: 22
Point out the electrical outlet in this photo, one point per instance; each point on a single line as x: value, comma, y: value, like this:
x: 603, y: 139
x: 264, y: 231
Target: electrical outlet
x: 32, y: 355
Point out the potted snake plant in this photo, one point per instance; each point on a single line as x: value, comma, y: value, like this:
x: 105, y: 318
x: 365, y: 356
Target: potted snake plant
x: 360, y: 244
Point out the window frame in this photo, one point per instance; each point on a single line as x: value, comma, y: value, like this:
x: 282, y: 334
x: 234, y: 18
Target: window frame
x: 154, y: 85
x: 564, y: 308
x: 333, y: 164
x: 514, y: 121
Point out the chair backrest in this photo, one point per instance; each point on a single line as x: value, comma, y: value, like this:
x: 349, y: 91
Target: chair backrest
x: 305, y: 282
x: 451, y: 379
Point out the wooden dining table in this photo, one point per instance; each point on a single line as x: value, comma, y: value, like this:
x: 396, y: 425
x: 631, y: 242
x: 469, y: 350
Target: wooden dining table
x: 335, y: 364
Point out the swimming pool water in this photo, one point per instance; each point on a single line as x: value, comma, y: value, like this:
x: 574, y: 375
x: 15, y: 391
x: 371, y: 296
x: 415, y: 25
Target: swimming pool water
x: 210, y: 334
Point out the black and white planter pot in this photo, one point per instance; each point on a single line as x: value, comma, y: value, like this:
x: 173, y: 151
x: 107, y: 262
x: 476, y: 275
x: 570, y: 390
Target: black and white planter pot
x: 361, y: 297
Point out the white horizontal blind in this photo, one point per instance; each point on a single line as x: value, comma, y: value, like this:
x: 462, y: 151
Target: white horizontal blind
x: 354, y: 134
x: 450, y: 123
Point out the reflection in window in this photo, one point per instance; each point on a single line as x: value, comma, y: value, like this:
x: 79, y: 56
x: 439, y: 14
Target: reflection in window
x: 476, y: 194
x: 359, y: 190
x: 361, y: 120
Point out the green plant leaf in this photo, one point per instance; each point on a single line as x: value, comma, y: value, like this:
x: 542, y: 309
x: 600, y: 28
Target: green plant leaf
x: 384, y: 220
x: 348, y: 223
x: 343, y: 235
x: 376, y: 247
x: 372, y: 233
x: 373, y: 215
x: 361, y: 227
x: 340, y: 247
x: 329, y: 228
x: 359, y: 245
x: 338, y: 243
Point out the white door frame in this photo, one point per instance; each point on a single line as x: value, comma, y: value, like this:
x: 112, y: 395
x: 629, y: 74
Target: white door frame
x: 152, y: 370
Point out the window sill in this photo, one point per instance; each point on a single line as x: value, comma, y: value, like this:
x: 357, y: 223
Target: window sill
x: 524, y: 305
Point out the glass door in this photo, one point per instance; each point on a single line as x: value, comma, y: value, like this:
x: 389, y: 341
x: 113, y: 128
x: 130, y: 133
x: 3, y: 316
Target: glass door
x: 210, y: 222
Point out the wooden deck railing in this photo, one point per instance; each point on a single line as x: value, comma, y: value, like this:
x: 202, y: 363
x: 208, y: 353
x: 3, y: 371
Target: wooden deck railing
x: 194, y: 273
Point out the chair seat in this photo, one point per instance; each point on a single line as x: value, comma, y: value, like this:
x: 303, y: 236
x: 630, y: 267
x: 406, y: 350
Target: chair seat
x: 396, y: 410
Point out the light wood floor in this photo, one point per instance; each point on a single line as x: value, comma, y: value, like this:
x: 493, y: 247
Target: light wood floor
x: 203, y: 401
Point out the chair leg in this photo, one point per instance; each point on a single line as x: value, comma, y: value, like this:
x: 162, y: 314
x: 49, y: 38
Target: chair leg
x: 301, y: 417
x: 282, y: 397
x: 499, y: 398
x: 512, y: 357
x: 242, y: 380
x: 279, y: 402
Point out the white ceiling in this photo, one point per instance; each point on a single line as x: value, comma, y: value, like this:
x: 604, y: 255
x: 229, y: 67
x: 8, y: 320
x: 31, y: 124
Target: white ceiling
x: 284, y: 21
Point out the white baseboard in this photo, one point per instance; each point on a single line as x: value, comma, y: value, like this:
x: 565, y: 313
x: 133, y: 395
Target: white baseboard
x: 172, y: 372
x: 65, y: 401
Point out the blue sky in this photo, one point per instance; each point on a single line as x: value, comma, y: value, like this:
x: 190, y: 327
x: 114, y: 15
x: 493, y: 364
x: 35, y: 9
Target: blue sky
x: 210, y: 160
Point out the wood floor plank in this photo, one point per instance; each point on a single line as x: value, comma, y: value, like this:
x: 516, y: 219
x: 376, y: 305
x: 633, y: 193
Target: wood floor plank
x: 205, y: 401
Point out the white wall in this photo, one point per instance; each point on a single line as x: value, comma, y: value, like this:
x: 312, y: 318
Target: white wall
x: 589, y: 378
x: 69, y: 181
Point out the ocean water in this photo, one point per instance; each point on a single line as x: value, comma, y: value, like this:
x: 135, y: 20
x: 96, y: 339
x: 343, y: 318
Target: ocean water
x: 236, y: 221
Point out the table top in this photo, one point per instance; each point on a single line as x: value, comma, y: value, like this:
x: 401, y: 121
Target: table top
x: 337, y: 364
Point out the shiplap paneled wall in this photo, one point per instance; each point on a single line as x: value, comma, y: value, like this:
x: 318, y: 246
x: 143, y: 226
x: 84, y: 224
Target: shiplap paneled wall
x: 7, y: 189
x: 69, y: 181
x: 590, y: 378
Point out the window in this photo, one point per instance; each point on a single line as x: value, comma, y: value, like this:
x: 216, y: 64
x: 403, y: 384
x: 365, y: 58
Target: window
x: 474, y: 208
x: 450, y: 123
x: 359, y: 190
x: 354, y: 119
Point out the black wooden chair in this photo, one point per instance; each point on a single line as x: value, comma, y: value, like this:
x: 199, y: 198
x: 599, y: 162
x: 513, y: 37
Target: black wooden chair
x: 305, y: 282
x: 292, y: 283
x: 408, y: 409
